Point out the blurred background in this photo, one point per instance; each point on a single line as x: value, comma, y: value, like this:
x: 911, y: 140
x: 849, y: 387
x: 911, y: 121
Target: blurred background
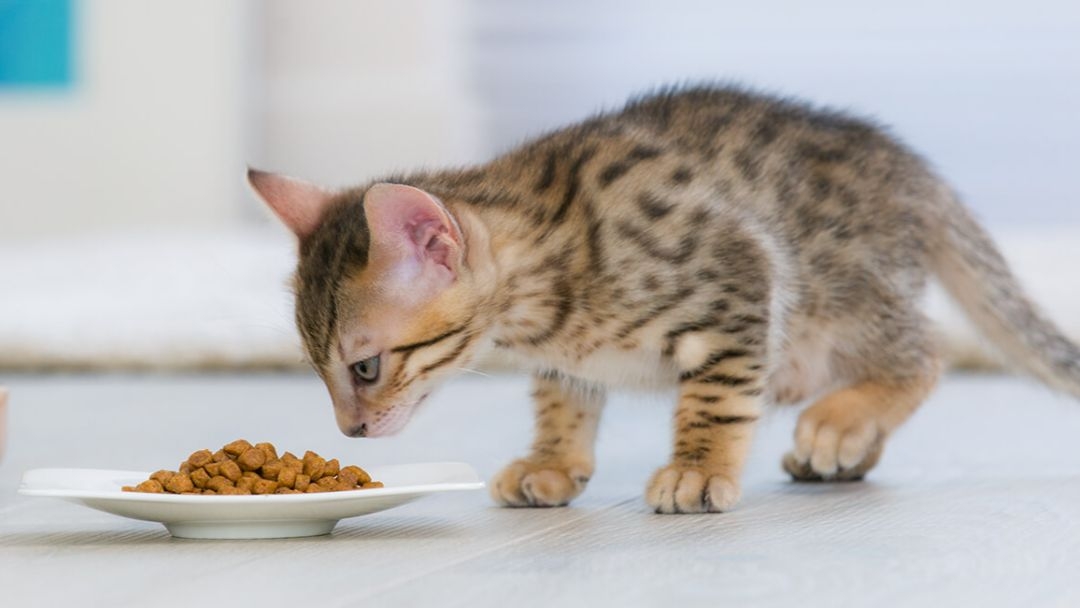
x: 128, y: 239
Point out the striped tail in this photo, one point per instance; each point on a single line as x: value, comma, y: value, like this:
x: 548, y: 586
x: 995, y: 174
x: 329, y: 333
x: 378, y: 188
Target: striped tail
x: 978, y: 278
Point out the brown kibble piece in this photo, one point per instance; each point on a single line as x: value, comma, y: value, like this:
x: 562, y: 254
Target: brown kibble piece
x: 241, y: 468
x: 314, y: 471
x: 354, y: 471
x: 200, y: 458
x: 150, y: 485
x: 314, y: 467
x: 199, y: 477
x: 291, y: 460
x: 230, y: 470
x: 268, y: 449
x: 286, y: 478
x: 271, y: 468
x: 178, y: 484
x: 163, y: 476
x: 302, y: 482
x: 348, y: 476
x: 264, y: 486
x: 251, y: 460
x: 238, y: 447
x: 217, y: 482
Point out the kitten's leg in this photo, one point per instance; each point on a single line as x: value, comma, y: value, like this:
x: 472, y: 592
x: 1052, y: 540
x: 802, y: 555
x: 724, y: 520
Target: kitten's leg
x: 841, y: 436
x: 719, y: 404
x: 562, y: 460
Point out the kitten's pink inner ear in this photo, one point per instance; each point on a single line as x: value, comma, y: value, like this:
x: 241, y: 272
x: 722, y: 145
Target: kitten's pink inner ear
x: 406, y: 222
x: 298, y: 204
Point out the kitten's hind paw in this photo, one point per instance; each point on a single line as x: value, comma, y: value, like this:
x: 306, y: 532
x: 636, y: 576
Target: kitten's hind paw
x: 686, y: 490
x: 524, y: 483
x: 832, y: 445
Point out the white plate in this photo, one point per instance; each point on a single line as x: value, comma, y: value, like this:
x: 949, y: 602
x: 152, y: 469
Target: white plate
x: 266, y: 516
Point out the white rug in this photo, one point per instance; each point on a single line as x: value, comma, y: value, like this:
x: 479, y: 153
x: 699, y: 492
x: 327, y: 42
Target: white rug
x: 179, y: 301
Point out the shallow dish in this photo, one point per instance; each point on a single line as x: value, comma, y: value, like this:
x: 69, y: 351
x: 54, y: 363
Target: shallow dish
x: 266, y: 516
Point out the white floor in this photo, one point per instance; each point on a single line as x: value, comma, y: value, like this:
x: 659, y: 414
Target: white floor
x: 977, y: 503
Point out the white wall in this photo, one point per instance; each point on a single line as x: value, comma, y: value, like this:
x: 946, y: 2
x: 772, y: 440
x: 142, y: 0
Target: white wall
x: 151, y: 134
x: 989, y: 91
x: 355, y: 89
x: 173, y: 99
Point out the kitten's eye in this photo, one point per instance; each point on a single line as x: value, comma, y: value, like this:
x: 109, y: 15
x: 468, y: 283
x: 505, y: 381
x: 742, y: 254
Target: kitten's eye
x: 366, y: 370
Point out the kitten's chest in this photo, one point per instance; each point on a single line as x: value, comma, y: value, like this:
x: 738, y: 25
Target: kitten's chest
x: 616, y: 367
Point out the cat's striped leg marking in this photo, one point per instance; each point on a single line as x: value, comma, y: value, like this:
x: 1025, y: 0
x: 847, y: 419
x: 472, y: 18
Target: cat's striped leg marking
x: 561, y: 460
x: 719, y: 405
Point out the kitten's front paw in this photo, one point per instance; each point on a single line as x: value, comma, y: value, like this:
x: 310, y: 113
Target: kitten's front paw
x: 676, y: 489
x: 524, y: 483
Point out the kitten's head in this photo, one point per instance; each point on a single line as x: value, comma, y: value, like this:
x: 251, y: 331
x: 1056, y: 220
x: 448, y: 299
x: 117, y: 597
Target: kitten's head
x: 386, y: 294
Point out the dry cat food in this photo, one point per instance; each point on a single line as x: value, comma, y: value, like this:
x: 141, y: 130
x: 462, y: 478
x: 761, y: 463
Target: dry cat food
x: 242, y: 468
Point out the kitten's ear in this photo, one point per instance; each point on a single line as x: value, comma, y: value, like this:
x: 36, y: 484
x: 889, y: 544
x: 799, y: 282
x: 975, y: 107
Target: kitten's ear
x: 413, y: 231
x: 297, y: 203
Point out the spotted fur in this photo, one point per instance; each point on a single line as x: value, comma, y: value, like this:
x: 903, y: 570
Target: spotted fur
x: 743, y: 249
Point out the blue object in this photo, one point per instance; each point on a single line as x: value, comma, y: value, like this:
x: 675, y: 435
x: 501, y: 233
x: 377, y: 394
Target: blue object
x: 35, y: 43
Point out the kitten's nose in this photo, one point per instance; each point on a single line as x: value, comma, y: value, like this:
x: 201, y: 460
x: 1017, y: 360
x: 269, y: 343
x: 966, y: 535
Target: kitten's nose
x: 358, y: 431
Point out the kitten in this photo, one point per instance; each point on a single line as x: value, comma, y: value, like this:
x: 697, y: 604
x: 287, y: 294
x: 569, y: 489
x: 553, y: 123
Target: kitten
x: 744, y: 249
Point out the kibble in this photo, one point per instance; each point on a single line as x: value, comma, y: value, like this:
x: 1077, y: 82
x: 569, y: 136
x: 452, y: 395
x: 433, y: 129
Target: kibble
x: 230, y: 470
x: 272, y: 468
x: 178, y: 484
x: 246, y: 483
x: 150, y: 485
x: 240, y: 468
x: 200, y: 458
x: 268, y: 449
x: 199, y: 477
x: 287, y: 478
x: 265, y: 486
x: 251, y: 459
x: 163, y: 476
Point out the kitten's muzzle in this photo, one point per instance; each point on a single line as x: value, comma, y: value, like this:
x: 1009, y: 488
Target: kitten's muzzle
x: 360, y: 419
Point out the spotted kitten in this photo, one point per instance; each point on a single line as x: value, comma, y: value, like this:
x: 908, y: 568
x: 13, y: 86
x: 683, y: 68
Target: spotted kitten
x: 744, y: 249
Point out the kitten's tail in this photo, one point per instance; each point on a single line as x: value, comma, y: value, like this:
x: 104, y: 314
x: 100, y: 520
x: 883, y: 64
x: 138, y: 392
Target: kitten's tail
x: 978, y: 278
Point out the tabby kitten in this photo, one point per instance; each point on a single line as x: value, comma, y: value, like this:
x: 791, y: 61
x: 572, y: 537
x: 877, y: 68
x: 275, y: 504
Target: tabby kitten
x: 744, y: 249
